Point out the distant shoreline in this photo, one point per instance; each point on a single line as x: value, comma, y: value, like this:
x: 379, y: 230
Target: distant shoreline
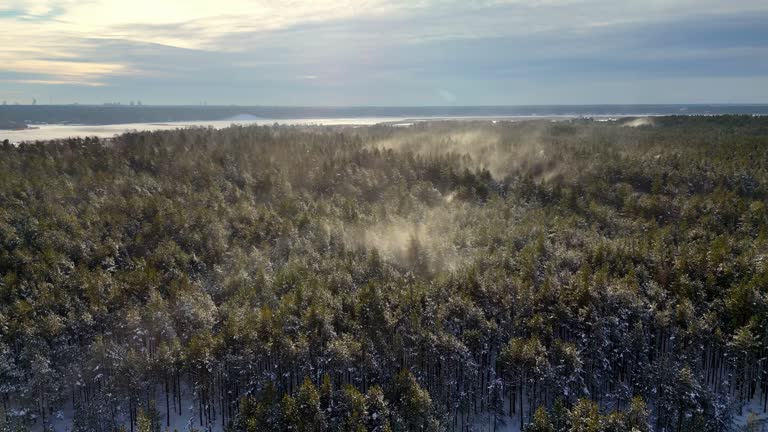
x: 92, y: 115
x: 52, y: 131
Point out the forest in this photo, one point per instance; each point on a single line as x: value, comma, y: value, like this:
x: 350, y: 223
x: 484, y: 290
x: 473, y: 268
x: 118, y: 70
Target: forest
x: 569, y: 276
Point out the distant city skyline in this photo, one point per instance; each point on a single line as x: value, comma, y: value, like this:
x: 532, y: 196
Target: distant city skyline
x: 384, y: 53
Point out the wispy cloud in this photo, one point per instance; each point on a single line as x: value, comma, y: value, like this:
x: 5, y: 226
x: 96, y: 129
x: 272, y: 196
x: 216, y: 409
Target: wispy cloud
x: 74, y: 82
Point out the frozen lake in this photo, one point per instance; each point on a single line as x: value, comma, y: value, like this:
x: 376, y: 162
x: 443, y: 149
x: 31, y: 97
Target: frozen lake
x: 57, y: 131
x: 43, y: 132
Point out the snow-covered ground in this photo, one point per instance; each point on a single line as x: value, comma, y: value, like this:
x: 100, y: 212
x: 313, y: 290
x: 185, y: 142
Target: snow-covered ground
x: 189, y: 419
x: 186, y: 421
x: 753, y: 413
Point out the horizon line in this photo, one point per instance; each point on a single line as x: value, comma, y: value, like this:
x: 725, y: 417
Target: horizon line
x: 144, y: 105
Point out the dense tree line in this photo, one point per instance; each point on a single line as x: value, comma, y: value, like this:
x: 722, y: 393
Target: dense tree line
x: 570, y: 276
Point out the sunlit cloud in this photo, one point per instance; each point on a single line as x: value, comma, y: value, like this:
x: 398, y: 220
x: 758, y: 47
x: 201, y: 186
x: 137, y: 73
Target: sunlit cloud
x: 63, y: 68
x: 71, y: 82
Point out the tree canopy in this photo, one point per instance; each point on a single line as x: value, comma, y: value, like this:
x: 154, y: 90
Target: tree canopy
x: 563, y: 276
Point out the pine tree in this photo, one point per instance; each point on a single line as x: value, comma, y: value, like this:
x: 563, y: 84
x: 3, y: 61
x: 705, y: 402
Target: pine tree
x: 326, y: 394
x: 143, y: 422
x: 615, y: 422
x: 378, y: 410
x: 311, y: 415
x: 290, y: 418
x: 637, y: 415
x: 560, y: 416
x: 412, y: 402
x: 584, y: 417
x: 541, y: 422
x: 352, y: 410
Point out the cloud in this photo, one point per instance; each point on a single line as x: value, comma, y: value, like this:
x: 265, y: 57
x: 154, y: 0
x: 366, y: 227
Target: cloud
x: 57, y: 82
x: 375, y: 51
x: 64, y: 68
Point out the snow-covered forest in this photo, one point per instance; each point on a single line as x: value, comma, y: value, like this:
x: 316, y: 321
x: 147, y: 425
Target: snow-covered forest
x: 571, y: 276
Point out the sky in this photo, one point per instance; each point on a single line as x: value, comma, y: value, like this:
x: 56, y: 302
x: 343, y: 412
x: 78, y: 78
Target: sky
x: 383, y: 53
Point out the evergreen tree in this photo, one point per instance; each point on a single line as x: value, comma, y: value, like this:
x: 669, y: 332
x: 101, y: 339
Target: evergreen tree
x: 310, y: 414
x: 585, y: 417
x: 378, y: 410
x: 540, y: 422
x: 352, y: 409
x: 290, y: 417
x: 413, y: 405
x: 637, y: 415
x: 143, y: 421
